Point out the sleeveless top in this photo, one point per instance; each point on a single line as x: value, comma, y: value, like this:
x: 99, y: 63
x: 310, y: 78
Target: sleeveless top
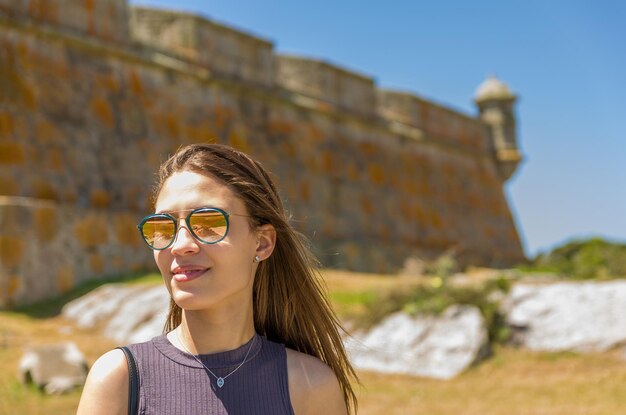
x: 172, y: 382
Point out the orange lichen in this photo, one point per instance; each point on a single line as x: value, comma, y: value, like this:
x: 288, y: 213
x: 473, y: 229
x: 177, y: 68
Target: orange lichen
x: 281, y: 127
x: 11, y: 152
x: 13, y: 286
x: 327, y: 161
x: 91, y: 231
x: 110, y: 83
x: 305, y: 191
x: 315, y: 134
x: 172, y: 125
x: 55, y: 160
x: 238, y: 141
x: 45, y: 224
x: 135, y: 83
x: 126, y: 230
x: 100, y: 198
x: 366, y: 205
x: 11, y: 250
x: 222, y: 116
x: 47, y: 132
x: 6, y: 125
x: 369, y: 149
x: 8, y: 186
x: 376, y: 174
x: 44, y: 190
x: 65, y: 278
x: 102, y: 111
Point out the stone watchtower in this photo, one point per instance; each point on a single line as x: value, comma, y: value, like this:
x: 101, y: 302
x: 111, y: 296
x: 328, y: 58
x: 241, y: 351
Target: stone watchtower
x: 495, y: 102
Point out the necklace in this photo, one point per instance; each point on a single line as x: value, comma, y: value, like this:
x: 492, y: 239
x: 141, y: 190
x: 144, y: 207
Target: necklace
x: 219, y: 379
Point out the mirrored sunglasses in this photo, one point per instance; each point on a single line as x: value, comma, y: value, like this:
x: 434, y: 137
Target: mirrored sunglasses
x: 207, y: 225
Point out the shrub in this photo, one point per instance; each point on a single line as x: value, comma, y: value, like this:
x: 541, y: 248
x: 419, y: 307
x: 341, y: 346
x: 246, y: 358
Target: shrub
x: 434, y: 299
x: 584, y: 259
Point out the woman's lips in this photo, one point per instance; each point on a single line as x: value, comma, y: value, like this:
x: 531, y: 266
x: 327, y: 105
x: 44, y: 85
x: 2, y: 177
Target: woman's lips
x: 188, y: 273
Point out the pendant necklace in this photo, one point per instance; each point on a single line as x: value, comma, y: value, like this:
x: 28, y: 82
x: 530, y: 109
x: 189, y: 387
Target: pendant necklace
x: 219, y: 379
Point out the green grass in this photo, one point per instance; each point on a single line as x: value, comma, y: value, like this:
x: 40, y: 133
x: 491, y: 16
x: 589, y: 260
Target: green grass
x: 511, y: 382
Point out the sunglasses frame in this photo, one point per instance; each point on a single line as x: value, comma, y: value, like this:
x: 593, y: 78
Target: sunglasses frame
x: 177, y: 228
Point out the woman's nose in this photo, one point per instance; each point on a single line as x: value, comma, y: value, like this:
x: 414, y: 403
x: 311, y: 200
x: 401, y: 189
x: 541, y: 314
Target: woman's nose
x: 184, y: 242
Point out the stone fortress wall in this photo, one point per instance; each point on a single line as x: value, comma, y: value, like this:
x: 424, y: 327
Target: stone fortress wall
x: 95, y: 94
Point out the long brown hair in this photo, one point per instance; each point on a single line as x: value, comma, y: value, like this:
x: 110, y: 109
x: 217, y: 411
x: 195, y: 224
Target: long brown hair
x: 289, y: 302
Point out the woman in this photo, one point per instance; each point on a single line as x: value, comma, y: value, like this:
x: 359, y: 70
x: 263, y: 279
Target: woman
x: 248, y: 330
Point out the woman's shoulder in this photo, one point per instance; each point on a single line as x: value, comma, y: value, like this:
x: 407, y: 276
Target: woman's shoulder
x: 106, y: 387
x: 313, y: 385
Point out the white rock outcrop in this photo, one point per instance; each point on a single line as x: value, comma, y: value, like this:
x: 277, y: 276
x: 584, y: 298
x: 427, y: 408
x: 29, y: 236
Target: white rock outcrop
x: 437, y: 347
x: 128, y: 314
x: 56, y: 368
x: 578, y: 316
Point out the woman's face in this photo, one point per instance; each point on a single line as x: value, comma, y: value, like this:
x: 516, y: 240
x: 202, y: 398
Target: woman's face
x: 202, y: 276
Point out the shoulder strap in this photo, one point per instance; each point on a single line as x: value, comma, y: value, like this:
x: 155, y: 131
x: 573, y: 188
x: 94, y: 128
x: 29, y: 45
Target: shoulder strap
x: 133, y: 381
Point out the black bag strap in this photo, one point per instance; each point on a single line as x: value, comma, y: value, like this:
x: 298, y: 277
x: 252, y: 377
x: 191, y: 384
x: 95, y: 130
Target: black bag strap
x: 133, y: 381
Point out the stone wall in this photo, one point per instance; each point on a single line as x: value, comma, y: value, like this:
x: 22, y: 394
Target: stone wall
x: 94, y: 95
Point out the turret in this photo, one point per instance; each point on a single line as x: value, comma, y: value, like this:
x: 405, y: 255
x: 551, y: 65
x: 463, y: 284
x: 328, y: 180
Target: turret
x: 495, y: 102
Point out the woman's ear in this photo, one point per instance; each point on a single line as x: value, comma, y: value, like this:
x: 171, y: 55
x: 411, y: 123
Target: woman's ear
x: 266, y: 241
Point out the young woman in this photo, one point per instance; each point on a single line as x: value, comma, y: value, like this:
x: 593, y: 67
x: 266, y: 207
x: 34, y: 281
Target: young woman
x: 249, y: 330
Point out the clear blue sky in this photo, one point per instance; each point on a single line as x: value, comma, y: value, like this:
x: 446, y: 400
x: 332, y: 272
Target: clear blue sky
x: 565, y: 59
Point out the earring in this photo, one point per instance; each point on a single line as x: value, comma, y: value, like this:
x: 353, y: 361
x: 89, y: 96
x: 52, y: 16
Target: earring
x: 257, y: 258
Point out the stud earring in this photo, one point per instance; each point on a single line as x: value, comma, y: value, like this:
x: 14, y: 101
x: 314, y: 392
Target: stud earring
x: 257, y: 258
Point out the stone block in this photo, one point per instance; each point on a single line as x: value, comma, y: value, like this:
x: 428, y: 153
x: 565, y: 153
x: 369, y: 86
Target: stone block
x: 11, y: 251
x: 225, y: 51
x: 11, y: 152
x: 91, y: 231
x: 100, y: 198
x: 46, y: 225
x: 47, y: 132
x: 9, y: 286
x: 6, y: 125
x: 342, y: 89
x: 65, y: 278
x: 43, y: 189
x: 8, y: 186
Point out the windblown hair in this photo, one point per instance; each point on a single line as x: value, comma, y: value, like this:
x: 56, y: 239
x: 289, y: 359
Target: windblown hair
x: 289, y: 302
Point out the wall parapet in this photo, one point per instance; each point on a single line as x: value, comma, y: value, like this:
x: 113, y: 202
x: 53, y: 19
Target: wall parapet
x: 104, y: 19
x: 226, y: 51
x: 436, y: 121
x: 344, y: 90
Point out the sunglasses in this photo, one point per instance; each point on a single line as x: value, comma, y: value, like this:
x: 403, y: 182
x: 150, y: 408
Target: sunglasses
x: 207, y: 224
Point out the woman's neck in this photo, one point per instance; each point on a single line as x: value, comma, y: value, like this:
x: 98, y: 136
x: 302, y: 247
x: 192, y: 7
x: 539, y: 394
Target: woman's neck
x: 205, y: 333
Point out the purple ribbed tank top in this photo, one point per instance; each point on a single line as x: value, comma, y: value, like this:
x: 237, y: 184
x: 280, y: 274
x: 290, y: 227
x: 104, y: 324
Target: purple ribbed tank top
x: 172, y: 382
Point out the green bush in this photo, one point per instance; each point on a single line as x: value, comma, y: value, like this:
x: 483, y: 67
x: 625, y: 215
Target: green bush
x: 584, y: 259
x: 434, y: 299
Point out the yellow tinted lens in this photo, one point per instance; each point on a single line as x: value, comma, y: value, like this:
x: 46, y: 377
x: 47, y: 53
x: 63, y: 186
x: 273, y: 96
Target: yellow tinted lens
x: 208, y: 226
x: 158, y: 232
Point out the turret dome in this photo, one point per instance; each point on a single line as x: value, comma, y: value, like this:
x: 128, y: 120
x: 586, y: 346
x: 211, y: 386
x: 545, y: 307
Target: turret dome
x: 493, y: 89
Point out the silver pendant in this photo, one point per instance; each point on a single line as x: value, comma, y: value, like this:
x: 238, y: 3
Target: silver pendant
x: 220, y: 382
